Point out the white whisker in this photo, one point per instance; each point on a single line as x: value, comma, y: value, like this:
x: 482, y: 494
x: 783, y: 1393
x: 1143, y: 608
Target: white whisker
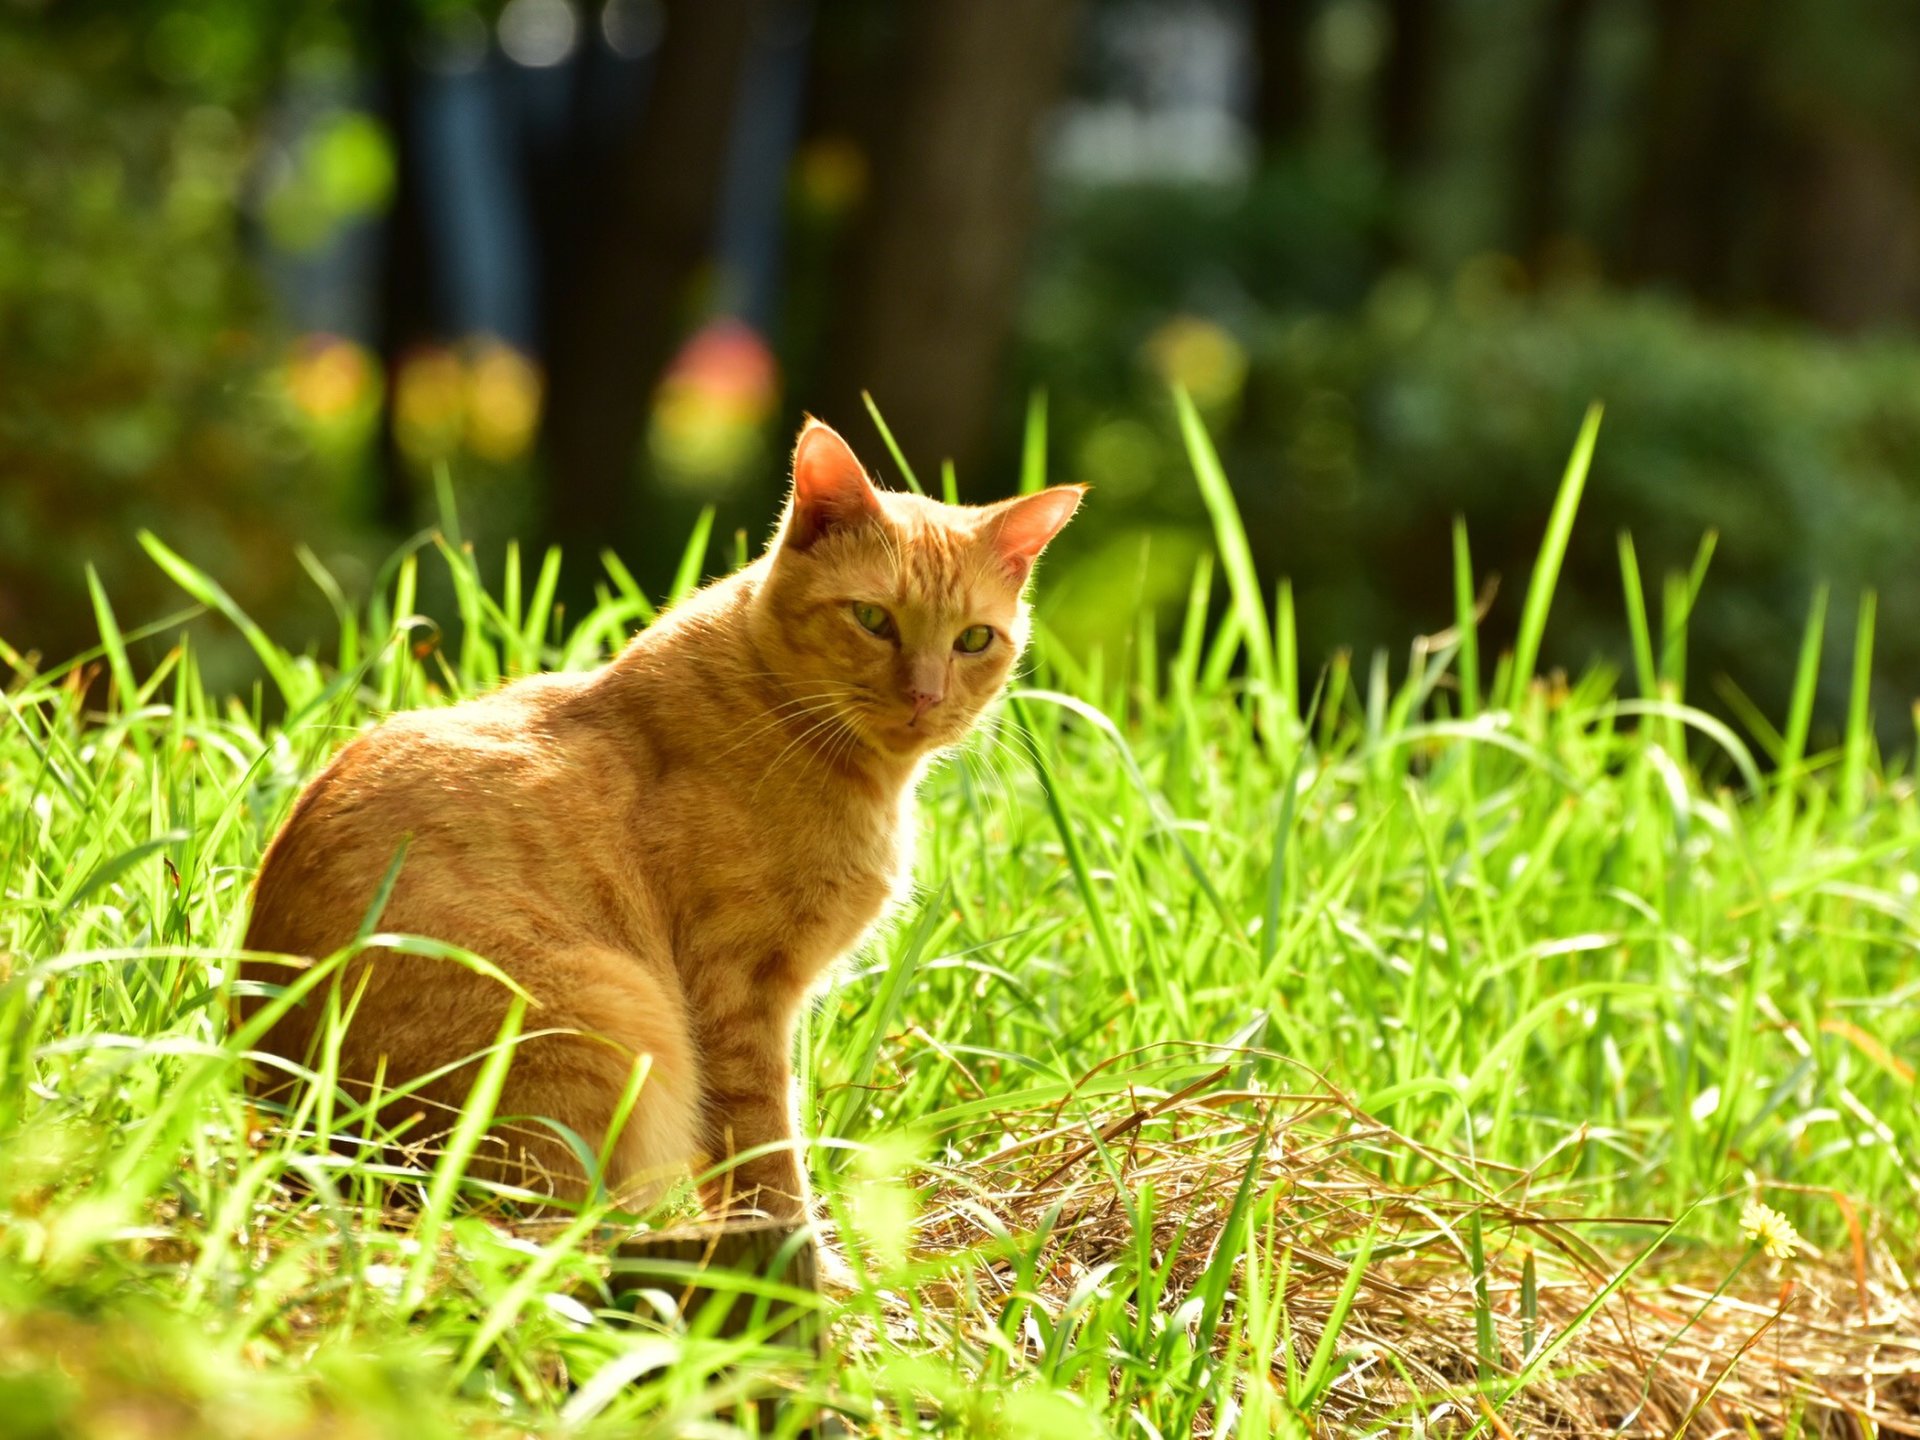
x: 788, y: 711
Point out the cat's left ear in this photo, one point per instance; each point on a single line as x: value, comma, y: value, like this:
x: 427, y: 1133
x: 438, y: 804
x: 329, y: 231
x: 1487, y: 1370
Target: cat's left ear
x: 1019, y: 529
x: 831, y: 490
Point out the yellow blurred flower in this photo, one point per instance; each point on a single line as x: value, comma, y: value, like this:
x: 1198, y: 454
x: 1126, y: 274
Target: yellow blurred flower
x: 328, y: 378
x: 711, y: 411
x: 504, y: 391
x: 1200, y: 356
x: 484, y: 397
x: 830, y: 174
x: 1770, y: 1230
x: 430, y: 403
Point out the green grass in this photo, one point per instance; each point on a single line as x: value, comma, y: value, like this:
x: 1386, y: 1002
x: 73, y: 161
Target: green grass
x: 1576, y: 948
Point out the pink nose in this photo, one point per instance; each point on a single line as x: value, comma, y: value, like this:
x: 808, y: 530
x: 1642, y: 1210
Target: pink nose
x: 922, y: 702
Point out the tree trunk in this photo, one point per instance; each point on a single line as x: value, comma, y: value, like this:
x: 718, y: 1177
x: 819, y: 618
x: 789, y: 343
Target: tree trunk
x: 404, y: 319
x: 1850, y: 247
x: 1404, y: 104
x: 1547, y: 134
x: 1283, y: 89
x: 1699, y: 144
x: 1409, y: 82
x: 618, y: 318
x: 929, y: 298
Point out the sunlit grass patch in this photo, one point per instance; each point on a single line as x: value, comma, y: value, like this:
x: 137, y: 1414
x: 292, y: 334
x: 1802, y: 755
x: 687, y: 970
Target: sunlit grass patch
x: 1387, y: 1046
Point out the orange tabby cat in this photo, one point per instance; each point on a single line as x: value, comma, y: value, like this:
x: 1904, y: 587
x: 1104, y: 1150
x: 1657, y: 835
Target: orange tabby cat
x: 667, y: 853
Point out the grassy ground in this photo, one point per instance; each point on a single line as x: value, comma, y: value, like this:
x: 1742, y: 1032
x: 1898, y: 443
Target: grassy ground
x: 1393, y: 1051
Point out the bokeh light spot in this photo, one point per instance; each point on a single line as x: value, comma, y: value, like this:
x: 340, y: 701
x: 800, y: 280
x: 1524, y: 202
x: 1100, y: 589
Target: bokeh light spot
x: 329, y: 379
x: 1200, y: 356
x: 430, y: 403
x: 632, y: 28
x: 711, y: 411
x: 504, y: 391
x: 830, y: 174
x: 538, y: 33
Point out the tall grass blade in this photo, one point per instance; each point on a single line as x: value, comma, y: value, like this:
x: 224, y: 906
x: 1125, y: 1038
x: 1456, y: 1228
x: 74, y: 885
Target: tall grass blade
x: 1320, y: 1372
x: 1639, y: 631
x: 1553, y: 550
x: 1230, y: 536
x: 693, y: 560
x: 1466, y: 622
x: 893, y: 446
x: 1859, y: 741
x: 293, y: 689
x: 1806, y: 680
x: 1547, y: 1353
x: 1033, y: 445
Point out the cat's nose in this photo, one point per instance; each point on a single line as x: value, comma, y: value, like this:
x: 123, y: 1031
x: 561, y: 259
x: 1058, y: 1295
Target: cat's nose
x: 923, y: 681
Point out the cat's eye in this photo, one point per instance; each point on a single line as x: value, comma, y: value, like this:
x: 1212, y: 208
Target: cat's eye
x: 872, y: 618
x: 974, y: 639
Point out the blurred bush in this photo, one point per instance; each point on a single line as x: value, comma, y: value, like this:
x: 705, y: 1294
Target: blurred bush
x: 1354, y: 437
x: 1803, y: 454
x: 143, y: 382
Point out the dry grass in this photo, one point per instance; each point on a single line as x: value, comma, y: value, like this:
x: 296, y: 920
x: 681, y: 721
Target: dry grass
x: 1817, y: 1345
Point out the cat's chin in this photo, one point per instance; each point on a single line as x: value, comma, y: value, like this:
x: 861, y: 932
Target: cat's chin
x: 904, y: 742
x: 910, y: 742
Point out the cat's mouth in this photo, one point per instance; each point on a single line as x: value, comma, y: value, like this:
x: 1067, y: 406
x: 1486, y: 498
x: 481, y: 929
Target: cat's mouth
x: 905, y: 736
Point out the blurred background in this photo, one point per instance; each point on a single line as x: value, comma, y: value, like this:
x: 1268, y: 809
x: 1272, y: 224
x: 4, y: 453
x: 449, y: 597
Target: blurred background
x: 268, y: 270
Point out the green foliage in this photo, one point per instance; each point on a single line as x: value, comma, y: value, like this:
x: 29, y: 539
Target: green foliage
x: 1355, y: 443
x: 1540, y: 937
x: 141, y: 368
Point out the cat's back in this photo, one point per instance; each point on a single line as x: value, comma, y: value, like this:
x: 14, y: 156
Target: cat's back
x: 487, y: 796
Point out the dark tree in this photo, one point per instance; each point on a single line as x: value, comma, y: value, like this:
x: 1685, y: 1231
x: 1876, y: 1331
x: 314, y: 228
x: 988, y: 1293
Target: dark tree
x: 927, y: 301
x: 618, y: 311
x: 1409, y: 82
x: 1848, y: 226
x: 1699, y: 146
x: 404, y: 316
x: 1405, y: 101
x: 1845, y: 166
x: 1546, y: 132
x: 1283, y: 89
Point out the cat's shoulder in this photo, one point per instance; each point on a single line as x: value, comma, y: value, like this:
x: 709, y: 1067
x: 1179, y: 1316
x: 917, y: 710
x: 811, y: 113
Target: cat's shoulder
x: 524, y: 718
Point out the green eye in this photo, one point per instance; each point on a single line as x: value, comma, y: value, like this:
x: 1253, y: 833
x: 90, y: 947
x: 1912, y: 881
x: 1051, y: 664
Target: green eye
x: 872, y: 618
x: 974, y: 639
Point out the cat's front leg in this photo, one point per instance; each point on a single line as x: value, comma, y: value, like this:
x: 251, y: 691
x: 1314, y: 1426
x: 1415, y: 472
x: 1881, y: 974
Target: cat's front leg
x: 749, y: 1103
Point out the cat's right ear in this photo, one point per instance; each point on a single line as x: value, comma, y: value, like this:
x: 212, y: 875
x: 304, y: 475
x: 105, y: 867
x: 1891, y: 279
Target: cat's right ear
x: 831, y: 490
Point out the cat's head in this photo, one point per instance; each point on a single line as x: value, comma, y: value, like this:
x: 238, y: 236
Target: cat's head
x: 897, y: 615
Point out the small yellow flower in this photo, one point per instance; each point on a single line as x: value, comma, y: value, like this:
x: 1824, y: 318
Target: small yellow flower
x: 1770, y: 1230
